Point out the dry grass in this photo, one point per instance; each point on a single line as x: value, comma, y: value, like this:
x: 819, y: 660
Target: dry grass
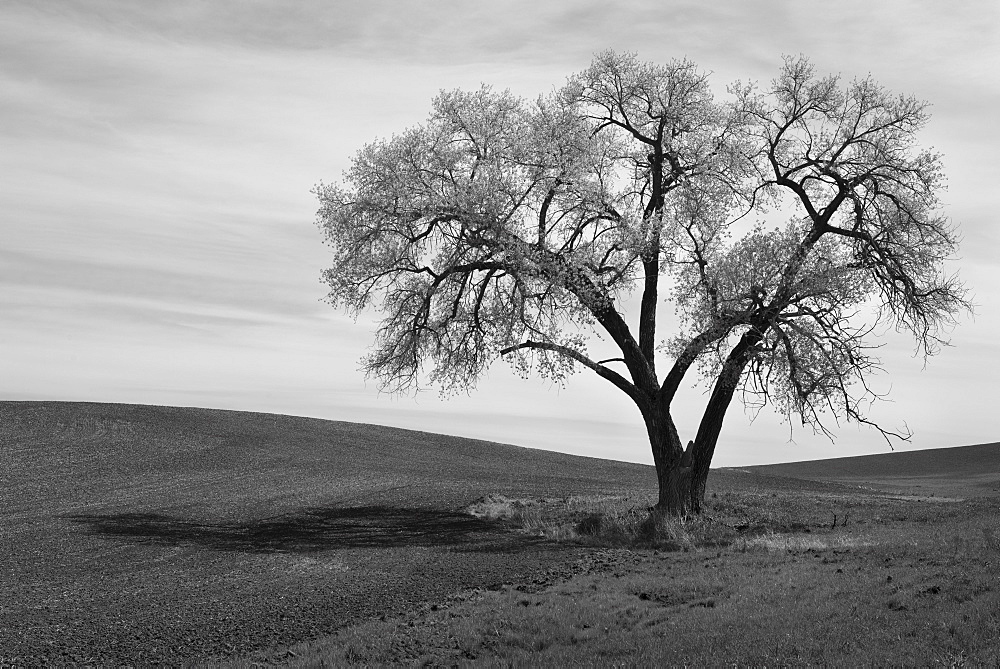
x: 605, y: 520
x: 795, y: 542
x: 751, y: 519
x: 903, y: 583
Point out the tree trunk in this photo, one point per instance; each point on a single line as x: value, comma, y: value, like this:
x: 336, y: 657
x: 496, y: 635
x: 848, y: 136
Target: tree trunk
x: 711, y: 423
x: 673, y: 468
x: 708, y: 437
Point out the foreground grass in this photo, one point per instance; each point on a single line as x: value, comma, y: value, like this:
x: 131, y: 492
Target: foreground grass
x: 761, y: 579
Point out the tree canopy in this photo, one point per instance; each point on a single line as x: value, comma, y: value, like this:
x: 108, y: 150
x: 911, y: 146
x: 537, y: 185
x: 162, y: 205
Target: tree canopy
x: 783, y: 224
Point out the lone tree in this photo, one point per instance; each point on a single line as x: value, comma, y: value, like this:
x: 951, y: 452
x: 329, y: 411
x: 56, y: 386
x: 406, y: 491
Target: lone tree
x: 503, y: 228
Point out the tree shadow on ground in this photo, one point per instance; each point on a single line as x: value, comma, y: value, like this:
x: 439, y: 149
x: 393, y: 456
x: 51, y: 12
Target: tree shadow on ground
x: 317, y: 529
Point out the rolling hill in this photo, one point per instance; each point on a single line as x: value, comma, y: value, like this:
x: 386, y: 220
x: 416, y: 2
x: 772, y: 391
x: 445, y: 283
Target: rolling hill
x: 69, y: 454
x: 962, y: 470
x: 147, y: 534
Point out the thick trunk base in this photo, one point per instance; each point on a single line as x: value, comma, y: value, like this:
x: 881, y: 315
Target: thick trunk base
x: 697, y: 490
x: 675, y: 484
x: 675, y: 491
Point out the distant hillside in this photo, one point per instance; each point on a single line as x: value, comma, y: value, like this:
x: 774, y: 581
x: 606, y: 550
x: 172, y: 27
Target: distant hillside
x: 73, y: 453
x: 967, y: 470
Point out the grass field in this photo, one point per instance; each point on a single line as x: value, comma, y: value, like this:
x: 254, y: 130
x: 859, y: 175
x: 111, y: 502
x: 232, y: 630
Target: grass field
x: 903, y: 583
x: 136, y: 535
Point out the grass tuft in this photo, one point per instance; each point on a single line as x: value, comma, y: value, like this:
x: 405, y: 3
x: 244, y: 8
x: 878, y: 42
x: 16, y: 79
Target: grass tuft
x: 794, y: 542
x: 617, y: 521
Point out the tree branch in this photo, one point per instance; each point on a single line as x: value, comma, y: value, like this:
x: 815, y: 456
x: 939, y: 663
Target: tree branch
x: 614, y: 377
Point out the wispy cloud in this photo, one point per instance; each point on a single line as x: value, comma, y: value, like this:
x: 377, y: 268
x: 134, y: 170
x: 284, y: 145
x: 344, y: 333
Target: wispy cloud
x: 156, y: 240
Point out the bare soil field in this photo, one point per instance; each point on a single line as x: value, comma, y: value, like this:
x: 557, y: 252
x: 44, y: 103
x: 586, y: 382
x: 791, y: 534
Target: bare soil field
x: 160, y: 535
x: 141, y: 534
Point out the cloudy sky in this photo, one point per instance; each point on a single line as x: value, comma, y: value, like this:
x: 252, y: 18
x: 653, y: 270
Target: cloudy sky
x: 157, y: 236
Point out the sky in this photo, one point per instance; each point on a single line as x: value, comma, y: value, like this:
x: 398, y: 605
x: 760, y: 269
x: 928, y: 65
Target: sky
x: 157, y: 227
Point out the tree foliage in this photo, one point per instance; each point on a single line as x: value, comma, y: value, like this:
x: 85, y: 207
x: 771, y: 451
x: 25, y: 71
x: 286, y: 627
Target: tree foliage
x: 503, y: 227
